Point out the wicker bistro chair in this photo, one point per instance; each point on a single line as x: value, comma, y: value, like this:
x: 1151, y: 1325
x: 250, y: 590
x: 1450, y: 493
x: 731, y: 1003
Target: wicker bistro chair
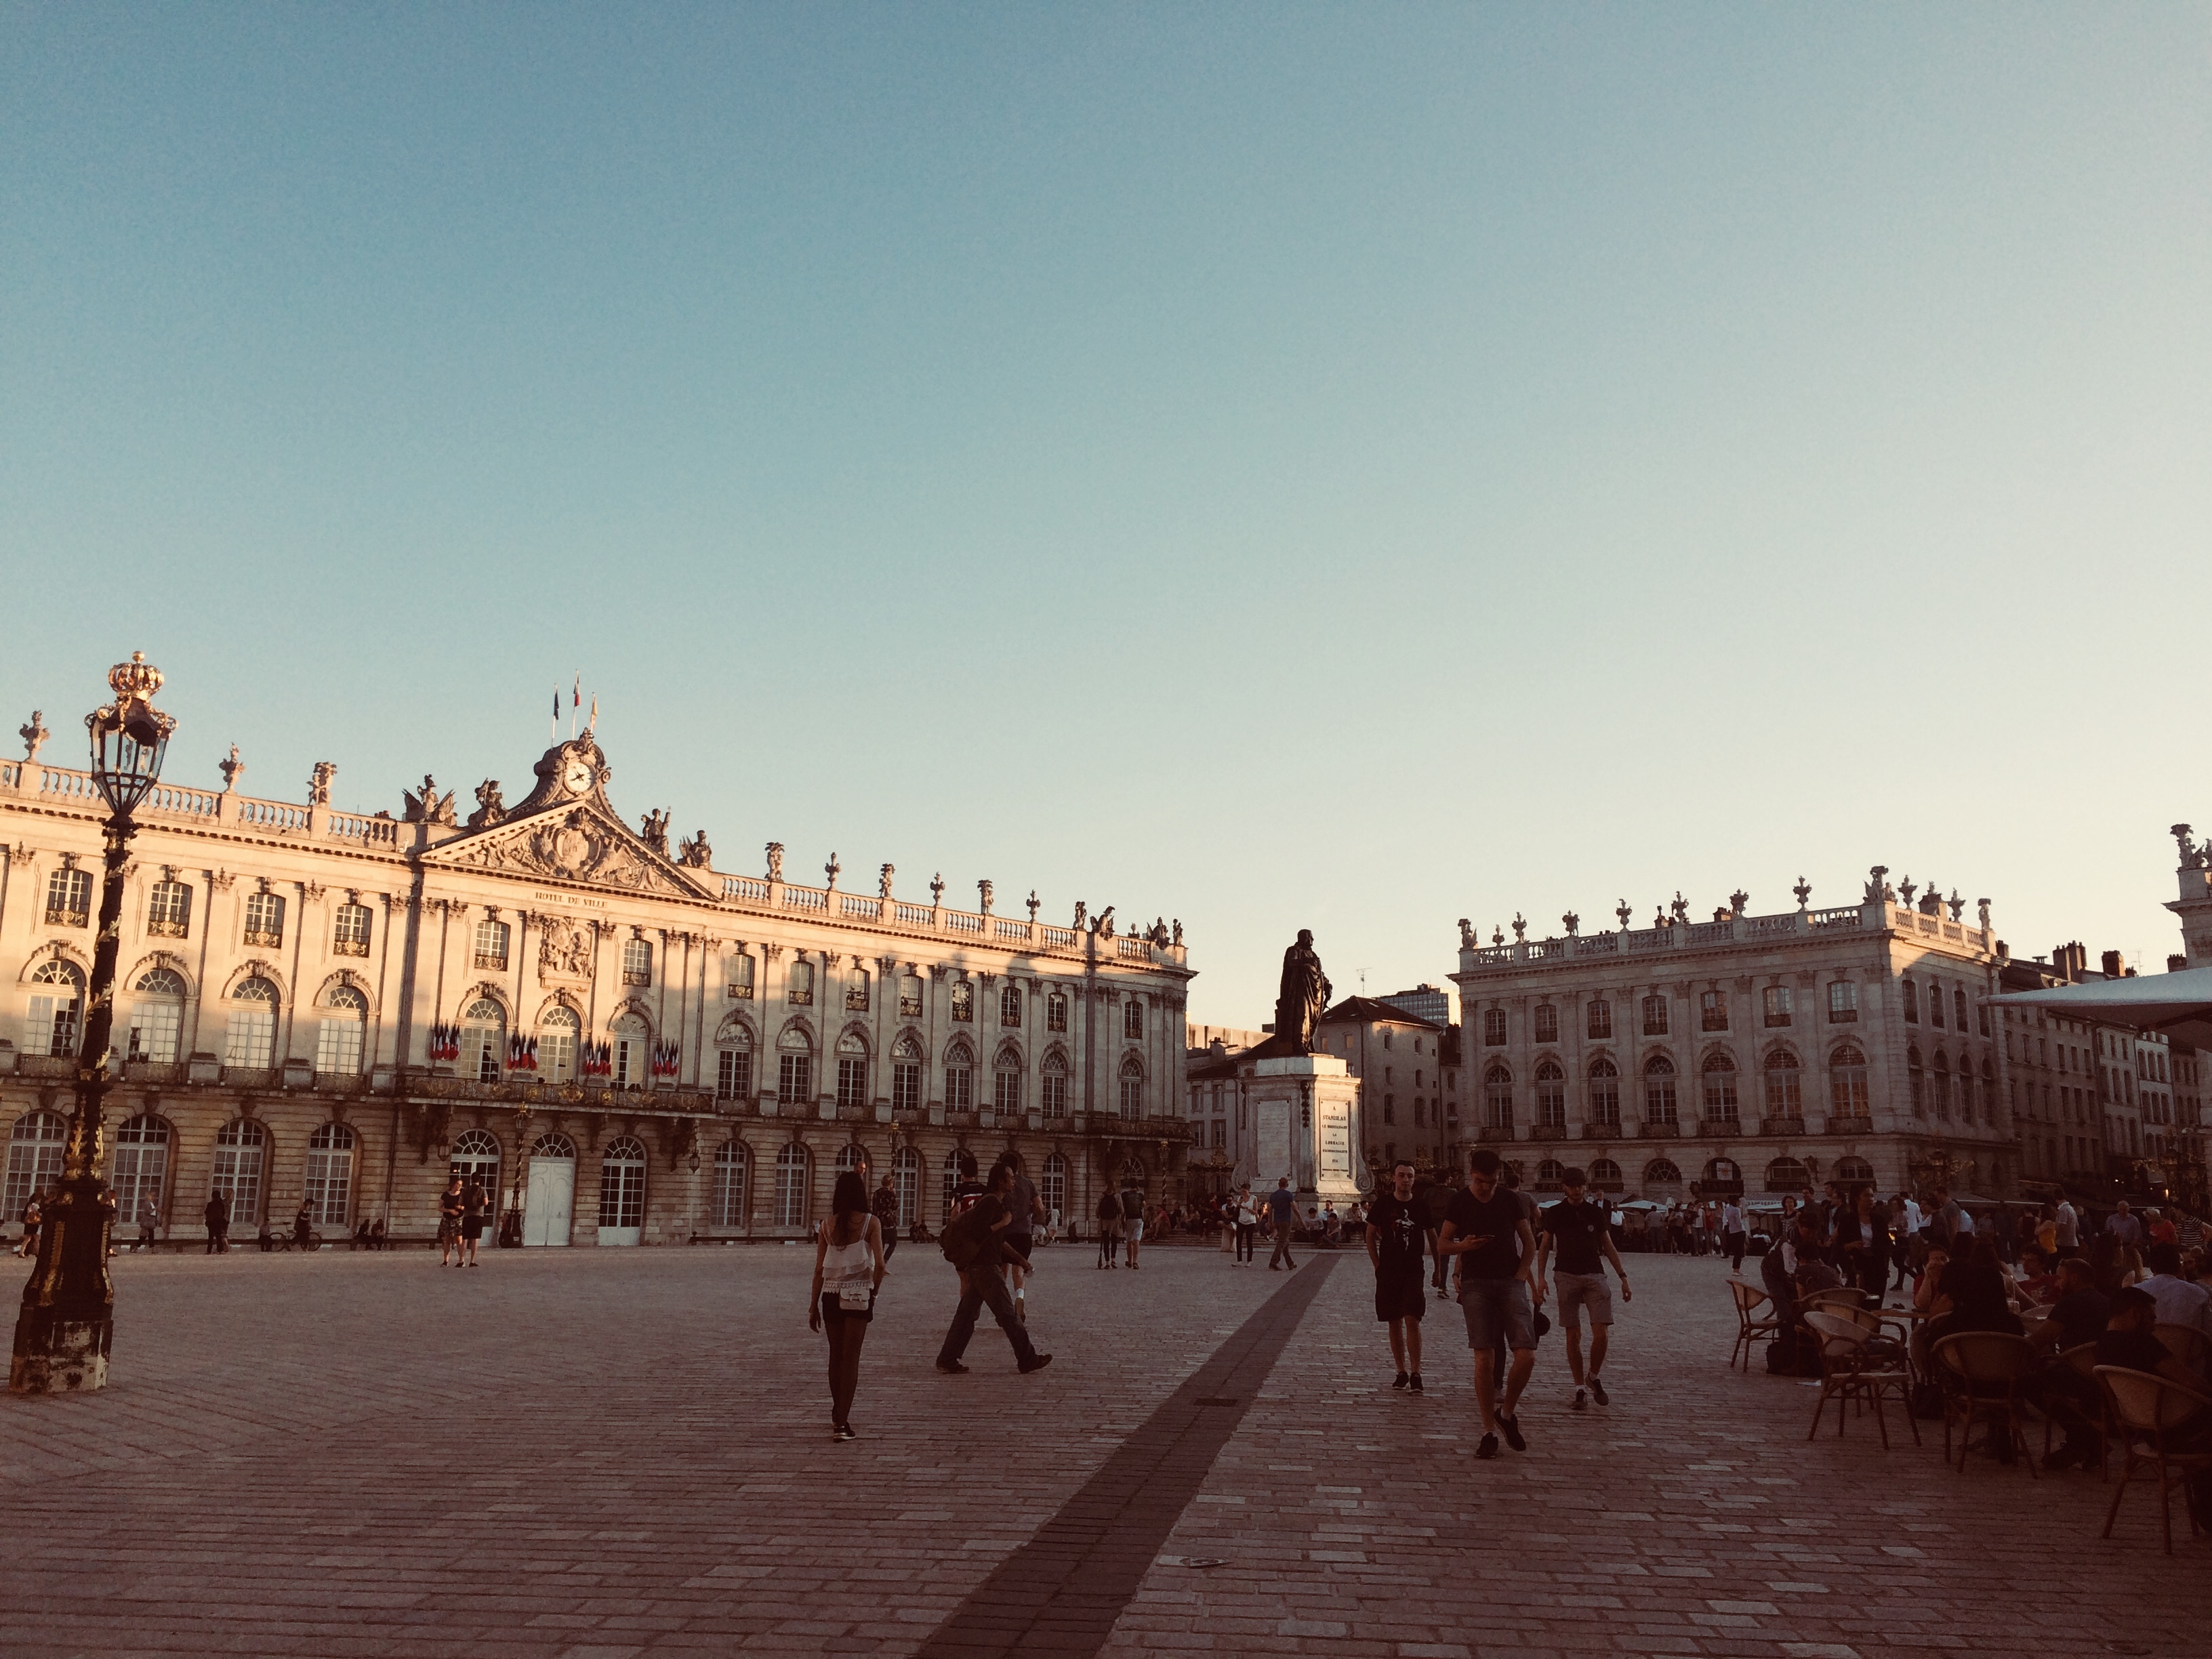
x: 1983, y: 1374
x: 1841, y: 1297
x: 1850, y: 1371
x: 1751, y: 1325
x: 2188, y: 1345
x: 2152, y: 1408
x: 2082, y: 1361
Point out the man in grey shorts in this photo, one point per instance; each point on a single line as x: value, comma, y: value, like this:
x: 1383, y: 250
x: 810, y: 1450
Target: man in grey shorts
x: 1485, y: 1231
x: 1580, y: 1231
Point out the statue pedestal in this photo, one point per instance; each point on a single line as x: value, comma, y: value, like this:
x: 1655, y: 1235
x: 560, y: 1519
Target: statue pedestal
x: 1306, y: 1116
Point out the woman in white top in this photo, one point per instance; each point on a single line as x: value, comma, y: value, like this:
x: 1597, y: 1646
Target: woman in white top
x: 848, y: 1270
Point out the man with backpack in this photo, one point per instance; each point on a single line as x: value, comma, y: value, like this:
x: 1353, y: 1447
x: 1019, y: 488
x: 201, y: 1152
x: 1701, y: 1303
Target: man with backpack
x: 1109, y: 1228
x: 972, y: 1243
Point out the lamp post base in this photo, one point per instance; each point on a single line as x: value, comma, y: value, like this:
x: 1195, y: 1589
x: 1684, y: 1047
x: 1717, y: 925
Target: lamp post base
x: 59, y: 1356
x: 68, y: 1316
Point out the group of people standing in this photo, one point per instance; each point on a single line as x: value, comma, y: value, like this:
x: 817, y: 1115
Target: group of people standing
x: 1493, y: 1247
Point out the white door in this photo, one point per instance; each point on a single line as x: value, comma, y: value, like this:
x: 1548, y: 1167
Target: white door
x: 551, y: 1202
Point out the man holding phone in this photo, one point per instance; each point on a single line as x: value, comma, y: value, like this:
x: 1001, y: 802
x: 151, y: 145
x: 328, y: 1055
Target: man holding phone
x: 1500, y: 1285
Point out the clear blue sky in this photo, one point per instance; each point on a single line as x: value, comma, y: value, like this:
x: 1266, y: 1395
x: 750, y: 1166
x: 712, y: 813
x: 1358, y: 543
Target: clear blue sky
x: 1345, y: 468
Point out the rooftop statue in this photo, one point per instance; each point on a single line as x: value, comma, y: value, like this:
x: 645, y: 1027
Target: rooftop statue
x: 1304, y: 995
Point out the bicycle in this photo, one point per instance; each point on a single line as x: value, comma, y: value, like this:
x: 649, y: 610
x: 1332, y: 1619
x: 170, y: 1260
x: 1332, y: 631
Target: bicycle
x: 283, y: 1242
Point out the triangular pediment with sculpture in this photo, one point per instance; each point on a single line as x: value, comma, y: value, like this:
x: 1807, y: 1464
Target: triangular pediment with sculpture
x: 566, y: 830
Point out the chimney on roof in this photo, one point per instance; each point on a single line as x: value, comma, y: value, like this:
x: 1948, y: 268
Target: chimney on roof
x: 2175, y: 964
x: 2113, y: 968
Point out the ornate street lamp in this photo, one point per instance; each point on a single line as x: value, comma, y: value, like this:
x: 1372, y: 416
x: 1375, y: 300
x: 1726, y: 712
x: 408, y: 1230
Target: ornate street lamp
x: 68, y: 1317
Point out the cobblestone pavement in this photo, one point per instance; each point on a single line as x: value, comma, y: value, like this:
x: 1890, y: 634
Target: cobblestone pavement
x: 596, y: 1454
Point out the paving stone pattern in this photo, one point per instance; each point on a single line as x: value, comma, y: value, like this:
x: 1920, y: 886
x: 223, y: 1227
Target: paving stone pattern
x: 593, y: 1454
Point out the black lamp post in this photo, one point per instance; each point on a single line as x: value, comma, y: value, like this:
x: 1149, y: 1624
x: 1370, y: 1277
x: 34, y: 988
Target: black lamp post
x: 68, y: 1317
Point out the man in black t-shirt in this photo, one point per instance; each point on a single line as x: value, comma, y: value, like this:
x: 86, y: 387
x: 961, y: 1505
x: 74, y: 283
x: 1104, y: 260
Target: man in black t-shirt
x: 1397, y: 1227
x: 1500, y: 1284
x: 1582, y: 1234
x: 2078, y: 1315
x: 981, y: 1286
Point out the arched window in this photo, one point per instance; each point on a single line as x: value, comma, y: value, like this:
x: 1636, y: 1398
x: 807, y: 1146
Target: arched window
x: 1720, y: 1089
x: 1787, y: 1174
x: 1599, y: 1026
x: 69, y: 897
x: 252, y: 1029
x: 330, y: 1175
x: 1605, y: 1176
x: 483, y: 1040
x: 622, y: 1185
x: 1911, y: 994
x: 1497, y: 1098
x: 1010, y: 1006
x: 906, y: 1074
x: 1546, y: 1023
x: 1550, y: 1095
x: 1055, y: 1085
x: 906, y: 1182
x: 35, y: 1145
x: 51, y: 1025
x: 1660, y: 1105
x: 138, y: 1167
x: 632, y: 1039
x: 1052, y: 1187
x: 557, y: 1044
x: 1785, y: 1093
x: 1007, y: 1081
x: 338, y: 1042
x: 1660, y: 1172
x: 794, y: 1067
x: 1547, y: 1175
x: 734, y: 1061
x: 1940, y: 1072
x: 1918, y: 1077
x: 157, y: 1018
x: 852, y: 1069
x: 1133, y: 1087
x: 1133, y: 1020
x: 950, y: 1179
x: 474, y: 1161
x: 850, y: 1157
x: 731, y: 1206
x: 169, y: 910
x: 241, y: 1151
x: 1133, y: 1175
x: 1604, y: 1092
x: 553, y: 1145
x: 1723, y: 1175
x: 1847, y: 1083
x: 959, y: 1078
x: 1853, y: 1171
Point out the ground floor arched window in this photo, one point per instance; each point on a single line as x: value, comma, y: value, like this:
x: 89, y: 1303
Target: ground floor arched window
x: 475, y: 1159
x: 791, y: 1188
x: 622, y: 1184
x: 906, y: 1181
x: 732, y: 1182
x: 241, y: 1151
x: 35, y: 1145
x: 1052, y: 1186
x: 329, y: 1190
x: 138, y: 1167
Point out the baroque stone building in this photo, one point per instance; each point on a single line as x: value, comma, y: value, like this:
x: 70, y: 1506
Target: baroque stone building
x: 1747, y: 1053
x: 625, y: 1042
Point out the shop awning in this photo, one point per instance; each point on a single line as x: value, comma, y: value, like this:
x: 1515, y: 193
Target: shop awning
x: 2178, y: 1004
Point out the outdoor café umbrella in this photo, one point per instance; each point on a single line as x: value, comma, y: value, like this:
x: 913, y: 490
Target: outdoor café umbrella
x: 2178, y: 1004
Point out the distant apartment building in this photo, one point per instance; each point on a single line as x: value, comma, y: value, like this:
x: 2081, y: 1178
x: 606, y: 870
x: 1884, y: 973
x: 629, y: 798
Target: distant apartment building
x: 1760, y: 1052
x: 1424, y: 1001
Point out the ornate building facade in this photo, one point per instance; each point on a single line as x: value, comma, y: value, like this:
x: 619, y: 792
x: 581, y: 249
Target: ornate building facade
x: 1746, y: 1054
x: 627, y: 1044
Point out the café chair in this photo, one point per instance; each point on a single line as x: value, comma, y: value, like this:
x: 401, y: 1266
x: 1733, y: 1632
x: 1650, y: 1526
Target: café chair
x: 1751, y: 1325
x: 1853, y: 1368
x: 2148, y: 1407
x: 1983, y: 1373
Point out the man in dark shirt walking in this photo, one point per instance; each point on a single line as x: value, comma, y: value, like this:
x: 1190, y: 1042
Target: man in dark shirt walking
x: 1282, y: 1216
x: 1397, y: 1227
x: 1582, y: 1233
x: 218, y: 1224
x: 981, y: 1286
x: 1500, y: 1283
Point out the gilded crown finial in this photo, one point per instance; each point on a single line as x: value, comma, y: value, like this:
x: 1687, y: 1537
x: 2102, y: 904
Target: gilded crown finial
x: 135, y: 681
